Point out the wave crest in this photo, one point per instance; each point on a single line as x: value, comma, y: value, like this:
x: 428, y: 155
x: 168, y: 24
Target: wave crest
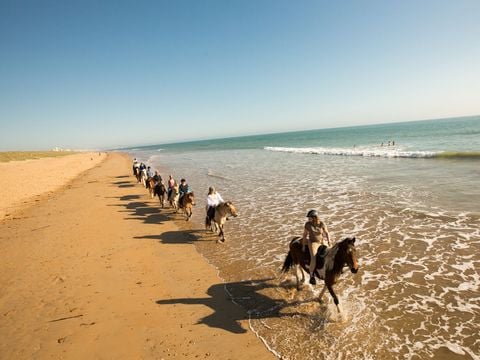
x: 377, y: 152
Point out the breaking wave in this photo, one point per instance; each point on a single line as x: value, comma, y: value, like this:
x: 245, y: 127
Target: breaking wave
x: 377, y: 152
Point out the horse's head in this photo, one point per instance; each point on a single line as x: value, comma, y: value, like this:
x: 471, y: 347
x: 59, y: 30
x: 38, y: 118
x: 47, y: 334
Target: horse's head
x: 231, y: 209
x: 350, y: 253
x: 190, y: 198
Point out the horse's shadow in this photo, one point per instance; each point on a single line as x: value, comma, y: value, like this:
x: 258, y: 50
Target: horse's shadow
x: 242, y: 295
x: 123, y: 184
x: 140, y: 210
x: 175, y: 237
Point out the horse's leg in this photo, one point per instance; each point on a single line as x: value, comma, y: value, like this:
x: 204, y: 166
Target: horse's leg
x: 222, y: 235
x: 296, y: 276
x: 321, y: 293
x: 303, y: 274
x: 334, y: 296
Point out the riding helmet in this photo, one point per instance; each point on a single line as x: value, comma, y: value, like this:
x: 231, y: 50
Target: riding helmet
x: 312, y: 213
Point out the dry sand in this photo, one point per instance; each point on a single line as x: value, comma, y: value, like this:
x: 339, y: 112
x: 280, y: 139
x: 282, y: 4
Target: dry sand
x: 96, y: 270
x: 23, y: 182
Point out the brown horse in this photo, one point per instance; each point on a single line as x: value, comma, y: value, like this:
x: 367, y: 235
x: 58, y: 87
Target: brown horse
x: 222, y: 212
x: 150, y: 185
x: 161, y: 192
x: 186, y: 203
x: 341, y: 254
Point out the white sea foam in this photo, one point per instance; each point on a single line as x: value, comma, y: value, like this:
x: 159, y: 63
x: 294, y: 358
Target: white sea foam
x: 358, y: 151
x: 415, y: 264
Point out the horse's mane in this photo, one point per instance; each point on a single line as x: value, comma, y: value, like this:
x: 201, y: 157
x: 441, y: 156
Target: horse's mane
x: 333, y: 262
x: 330, y: 257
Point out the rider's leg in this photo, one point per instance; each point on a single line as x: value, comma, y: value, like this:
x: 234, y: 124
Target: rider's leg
x: 211, y: 212
x: 313, y: 247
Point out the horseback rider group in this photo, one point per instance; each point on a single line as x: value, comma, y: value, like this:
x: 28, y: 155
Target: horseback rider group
x: 315, y: 234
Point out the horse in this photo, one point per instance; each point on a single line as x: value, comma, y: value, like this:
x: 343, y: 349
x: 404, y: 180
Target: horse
x: 138, y: 174
x: 143, y: 177
x: 186, y: 202
x: 150, y: 185
x: 160, y: 190
x: 222, y: 212
x: 173, y: 197
x: 341, y: 254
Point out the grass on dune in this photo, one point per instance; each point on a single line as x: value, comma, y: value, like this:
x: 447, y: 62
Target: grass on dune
x: 25, y: 155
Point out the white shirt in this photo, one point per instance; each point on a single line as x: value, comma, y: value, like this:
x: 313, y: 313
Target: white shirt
x: 214, y: 199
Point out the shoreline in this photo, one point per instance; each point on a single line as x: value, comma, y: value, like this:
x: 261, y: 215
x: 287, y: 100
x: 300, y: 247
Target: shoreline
x: 79, y: 272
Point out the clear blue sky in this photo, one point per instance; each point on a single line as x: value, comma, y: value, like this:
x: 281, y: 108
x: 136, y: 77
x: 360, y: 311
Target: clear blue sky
x: 88, y: 74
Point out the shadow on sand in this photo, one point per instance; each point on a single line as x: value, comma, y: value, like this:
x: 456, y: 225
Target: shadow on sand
x: 176, y: 237
x: 248, y: 295
x: 123, y: 184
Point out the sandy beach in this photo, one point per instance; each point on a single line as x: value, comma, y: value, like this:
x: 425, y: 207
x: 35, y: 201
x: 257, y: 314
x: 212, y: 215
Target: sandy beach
x: 94, y: 269
x: 23, y: 183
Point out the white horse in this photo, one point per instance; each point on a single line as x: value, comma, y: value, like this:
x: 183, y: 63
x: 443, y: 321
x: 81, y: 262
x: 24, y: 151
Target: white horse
x: 173, y: 197
x: 143, y: 177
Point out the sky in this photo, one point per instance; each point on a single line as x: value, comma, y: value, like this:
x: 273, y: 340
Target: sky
x: 102, y: 74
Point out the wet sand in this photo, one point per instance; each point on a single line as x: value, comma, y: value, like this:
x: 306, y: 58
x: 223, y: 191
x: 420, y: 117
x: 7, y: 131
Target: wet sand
x: 97, y: 270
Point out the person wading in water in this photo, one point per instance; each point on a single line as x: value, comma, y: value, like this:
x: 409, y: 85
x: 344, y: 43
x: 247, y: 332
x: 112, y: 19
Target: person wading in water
x: 316, y: 232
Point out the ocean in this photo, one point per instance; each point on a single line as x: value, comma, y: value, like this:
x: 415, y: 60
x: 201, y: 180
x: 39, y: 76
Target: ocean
x: 409, y: 192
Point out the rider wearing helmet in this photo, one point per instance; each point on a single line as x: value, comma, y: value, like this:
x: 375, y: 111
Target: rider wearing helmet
x: 316, y: 232
x: 183, y: 189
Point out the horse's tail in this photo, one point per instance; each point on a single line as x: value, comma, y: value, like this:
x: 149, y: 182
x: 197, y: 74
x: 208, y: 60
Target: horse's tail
x: 287, y: 264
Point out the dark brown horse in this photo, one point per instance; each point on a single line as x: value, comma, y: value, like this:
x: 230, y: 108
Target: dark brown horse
x: 186, y: 203
x: 329, y: 268
x: 161, y: 192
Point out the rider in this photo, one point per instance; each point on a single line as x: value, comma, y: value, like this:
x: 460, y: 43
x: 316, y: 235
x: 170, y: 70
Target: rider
x: 183, y: 189
x: 171, y: 184
x: 157, y: 178
x: 317, y: 232
x: 136, y: 165
x: 149, y: 172
x: 213, y: 199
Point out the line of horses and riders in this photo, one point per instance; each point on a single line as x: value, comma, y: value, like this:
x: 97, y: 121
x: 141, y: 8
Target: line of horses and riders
x: 327, y: 262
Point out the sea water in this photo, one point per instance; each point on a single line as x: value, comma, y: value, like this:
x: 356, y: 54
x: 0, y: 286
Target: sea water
x: 413, y: 204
